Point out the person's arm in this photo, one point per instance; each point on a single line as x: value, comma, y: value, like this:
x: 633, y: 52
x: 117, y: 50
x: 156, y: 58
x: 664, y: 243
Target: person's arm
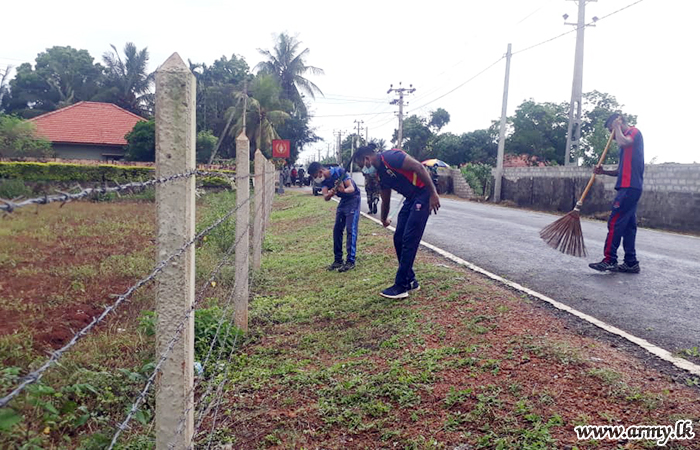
x: 346, y: 187
x: 386, y: 203
x: 598, y: 170
x: 620, y: 137
x: 409, y: 163
x: 327, y: 193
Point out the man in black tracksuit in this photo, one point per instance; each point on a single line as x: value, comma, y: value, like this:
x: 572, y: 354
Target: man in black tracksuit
x: 402, y: 173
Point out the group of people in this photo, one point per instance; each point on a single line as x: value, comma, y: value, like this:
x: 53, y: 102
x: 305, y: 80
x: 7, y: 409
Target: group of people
x: 293, y: 175
x: 395, y: 170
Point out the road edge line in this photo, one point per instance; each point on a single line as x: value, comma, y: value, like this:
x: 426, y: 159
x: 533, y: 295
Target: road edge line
x: 643, y: 343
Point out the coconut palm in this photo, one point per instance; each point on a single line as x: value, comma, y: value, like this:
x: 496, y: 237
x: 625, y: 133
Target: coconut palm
x: 128, y: 81
x: 286, y: 63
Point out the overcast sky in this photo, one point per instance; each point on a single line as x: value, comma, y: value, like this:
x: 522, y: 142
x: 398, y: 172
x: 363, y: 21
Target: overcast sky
x: 644, y: 55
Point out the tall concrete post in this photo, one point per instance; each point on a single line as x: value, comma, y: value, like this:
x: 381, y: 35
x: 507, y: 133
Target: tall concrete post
x: 502, y: 134
x: 240, y: 289
x: 259, y: 204
x: 175, y: 215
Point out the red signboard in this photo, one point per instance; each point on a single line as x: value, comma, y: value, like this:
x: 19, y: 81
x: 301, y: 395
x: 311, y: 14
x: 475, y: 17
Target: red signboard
x: 280, y: 148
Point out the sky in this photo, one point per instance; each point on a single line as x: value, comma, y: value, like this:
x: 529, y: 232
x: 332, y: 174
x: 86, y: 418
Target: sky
x: 643, y: 55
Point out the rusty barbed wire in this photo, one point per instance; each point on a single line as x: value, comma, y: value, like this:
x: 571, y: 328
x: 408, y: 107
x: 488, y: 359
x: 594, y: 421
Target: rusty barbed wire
x: 36, y: 375
x: 65, y: 197
x: 169, y: 347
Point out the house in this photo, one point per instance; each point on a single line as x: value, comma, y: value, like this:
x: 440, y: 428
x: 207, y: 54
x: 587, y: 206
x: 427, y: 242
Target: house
x: 87, y: 130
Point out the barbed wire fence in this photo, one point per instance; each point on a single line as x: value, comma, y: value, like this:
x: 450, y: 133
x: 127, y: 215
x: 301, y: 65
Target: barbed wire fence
x: 176, y: 303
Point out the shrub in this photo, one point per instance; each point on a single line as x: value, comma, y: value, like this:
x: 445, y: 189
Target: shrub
x: 18, y: 138
x: 478, y: 176
x: 61, y: 172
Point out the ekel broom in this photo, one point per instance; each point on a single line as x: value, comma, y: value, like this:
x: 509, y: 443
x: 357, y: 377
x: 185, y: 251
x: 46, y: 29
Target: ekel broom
x: 565, y: 234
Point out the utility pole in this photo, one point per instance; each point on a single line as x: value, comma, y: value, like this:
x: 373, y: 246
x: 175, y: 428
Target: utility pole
x: 573, y: 133
x: 502, y: 133
x: 367, y: 135
x: 399, y: 101
x: 339, y: 156
x: 319, y: 154
x: 356, y: 141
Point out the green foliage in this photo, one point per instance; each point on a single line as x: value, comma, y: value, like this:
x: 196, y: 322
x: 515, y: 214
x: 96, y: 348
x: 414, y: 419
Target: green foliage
x: 127, y: 81
x: 206, y: 143
x: 214, y: 329
x: 598, y: 106
x: 218, y: 205
x: 18, y: 138
x: 13, y: 188
x: 61, y: 76
x: 141, y: 142
x: 539, y: 130
x: 215, y: 182
x: 479, y: 177
x: 59, y: 172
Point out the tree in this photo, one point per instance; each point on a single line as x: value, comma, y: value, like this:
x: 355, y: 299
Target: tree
x: 206, y: 143
x: 287, y: 64
x: 438, y: 119
x: 217, y: 86
x: 141, y: 142
x: 4, y: 75
x: 265, y: 111
x: 61, y: 76
x: 18, y: 138
x: 128, y: 83
x: 420, y: 132
x: 380, y: 143
x: 597, y: 107
x: 539, y: 130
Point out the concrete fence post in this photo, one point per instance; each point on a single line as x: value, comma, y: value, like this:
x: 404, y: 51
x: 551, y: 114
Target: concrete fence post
x: 175, y: 215
x: 240, y: 289
x: 259, y: 208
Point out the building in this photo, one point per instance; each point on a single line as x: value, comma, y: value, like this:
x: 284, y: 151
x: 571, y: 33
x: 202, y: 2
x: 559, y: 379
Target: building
x: 87, y: 130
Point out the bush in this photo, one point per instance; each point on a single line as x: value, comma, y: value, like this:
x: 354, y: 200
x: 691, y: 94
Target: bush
x: 215, y: 182
x: 60, y: 172
x: 18, y: 138
x: 478, y: 176
x: 10, y: 189
x: 141, y: 142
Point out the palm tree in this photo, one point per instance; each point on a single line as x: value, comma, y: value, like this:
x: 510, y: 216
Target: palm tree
x: 128, y: 80
x: 287, y: 65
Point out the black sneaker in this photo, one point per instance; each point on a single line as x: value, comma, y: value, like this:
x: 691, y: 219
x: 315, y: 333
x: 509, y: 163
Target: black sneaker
x: 603, y: 266
x: 414, y: 286
x: 347, y: 266
x: 335, y: 266
x: 627, y: 268
x: 394, y: 292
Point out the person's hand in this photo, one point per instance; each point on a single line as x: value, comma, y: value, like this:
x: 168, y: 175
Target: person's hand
x: 341, y: 187
x: 598, y: 170
x: 331, y: 192
x: 434, y: 203
x: 386, y: 222
x: 617, y: 123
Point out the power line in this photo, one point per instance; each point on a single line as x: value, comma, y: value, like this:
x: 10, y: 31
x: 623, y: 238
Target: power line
x: 576, y: 29
x: 350, y: 115
x: 459, y: 86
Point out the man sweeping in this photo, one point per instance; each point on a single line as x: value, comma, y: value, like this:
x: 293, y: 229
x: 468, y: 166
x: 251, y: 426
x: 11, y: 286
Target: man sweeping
x: 622, y: 224
x: 408, y: 177
x: 336, y: 181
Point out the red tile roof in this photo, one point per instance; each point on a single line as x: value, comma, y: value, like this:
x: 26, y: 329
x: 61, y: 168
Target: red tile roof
x: 87, y: 123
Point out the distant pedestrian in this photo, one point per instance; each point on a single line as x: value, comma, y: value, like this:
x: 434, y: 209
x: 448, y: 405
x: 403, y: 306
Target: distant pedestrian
x: 622, y: 224
x: 371, y: 188
x: 302, y: 174
x: 294, y: 175
x: 402, y: 173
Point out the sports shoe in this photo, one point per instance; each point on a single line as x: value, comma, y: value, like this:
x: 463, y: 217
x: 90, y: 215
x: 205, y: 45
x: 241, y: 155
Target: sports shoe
x: 603, y: 266
x: 347, y: 266
x: 626, y: 268
x: 335, y: 266
x: 414, y: 286
x: 394, y: 292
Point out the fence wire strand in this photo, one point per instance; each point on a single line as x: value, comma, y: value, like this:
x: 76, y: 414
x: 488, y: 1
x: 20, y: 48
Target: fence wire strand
x: 36, y: 375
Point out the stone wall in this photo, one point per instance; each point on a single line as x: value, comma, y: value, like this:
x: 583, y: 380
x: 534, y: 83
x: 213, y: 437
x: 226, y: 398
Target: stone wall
x: 671, y: 198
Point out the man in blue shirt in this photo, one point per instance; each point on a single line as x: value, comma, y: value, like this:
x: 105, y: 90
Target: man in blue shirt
x: 408, y: 177
x: 336, y: 181
x: 622, y: 224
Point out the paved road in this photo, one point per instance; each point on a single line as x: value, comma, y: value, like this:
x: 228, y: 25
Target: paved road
x: 662, y: 304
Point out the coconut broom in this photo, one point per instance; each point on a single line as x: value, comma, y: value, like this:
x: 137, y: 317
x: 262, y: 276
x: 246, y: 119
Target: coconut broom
x: 565, y: 234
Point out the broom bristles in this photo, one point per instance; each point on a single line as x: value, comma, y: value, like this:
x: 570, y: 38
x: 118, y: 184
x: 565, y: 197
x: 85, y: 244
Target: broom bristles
x: 565, y: 235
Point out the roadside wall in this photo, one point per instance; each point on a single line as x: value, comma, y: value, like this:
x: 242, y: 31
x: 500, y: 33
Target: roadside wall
x: 671, y: 198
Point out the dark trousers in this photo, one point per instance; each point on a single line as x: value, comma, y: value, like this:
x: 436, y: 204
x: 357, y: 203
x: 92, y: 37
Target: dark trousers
x: 347, y: 217
x: 622, y: 226
x: 409, y: 231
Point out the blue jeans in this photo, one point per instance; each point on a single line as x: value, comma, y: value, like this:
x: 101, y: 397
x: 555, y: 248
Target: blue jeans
x: 347, y: 217
x: 622, y: 226
x: 410, y: 226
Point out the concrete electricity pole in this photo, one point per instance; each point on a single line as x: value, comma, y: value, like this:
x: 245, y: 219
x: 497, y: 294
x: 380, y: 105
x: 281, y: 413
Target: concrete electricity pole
x: 339, y: 155
x: 356, y: 142
x: 573, y: 133
x: 502, y: 133
x: 399, y: 101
